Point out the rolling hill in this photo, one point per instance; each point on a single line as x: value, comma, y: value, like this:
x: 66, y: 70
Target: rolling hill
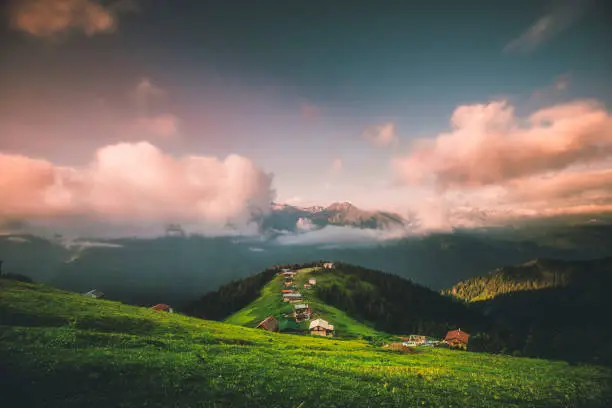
x: 358, y: 301
x: 550, y: 308
x: 61, y: 349
x: 534, y: 275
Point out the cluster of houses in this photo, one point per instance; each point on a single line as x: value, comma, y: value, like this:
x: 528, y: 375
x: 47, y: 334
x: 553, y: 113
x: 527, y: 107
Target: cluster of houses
x: 301, y: 310
x: 453, y: 339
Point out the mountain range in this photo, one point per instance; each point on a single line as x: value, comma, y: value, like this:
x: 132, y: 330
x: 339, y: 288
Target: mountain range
x: 284, y: 217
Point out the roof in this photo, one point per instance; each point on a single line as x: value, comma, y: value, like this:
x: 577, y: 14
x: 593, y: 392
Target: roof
x: 457, y: 334
x: 287, y: 291
x: 94, y: 292
x: 269, y: 323
x: 160, y: 306
x: 292, y: 295
x: 301, y: 306
x: 321, y: 323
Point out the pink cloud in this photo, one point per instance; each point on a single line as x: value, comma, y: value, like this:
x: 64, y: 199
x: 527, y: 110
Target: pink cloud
x: 488, y: 145
x: 47, y: 18
x: 165, y: 125
x: 557, y: 160
x: 381, y: 135
x: 135, y: 182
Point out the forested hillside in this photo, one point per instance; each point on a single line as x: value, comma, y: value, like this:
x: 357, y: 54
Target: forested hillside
x: 393, y: 304
x: 533, y: 275
x: 545, y: 308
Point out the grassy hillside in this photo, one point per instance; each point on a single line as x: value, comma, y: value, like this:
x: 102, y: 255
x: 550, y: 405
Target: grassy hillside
x: 269, y: 303
x: 60, y: 349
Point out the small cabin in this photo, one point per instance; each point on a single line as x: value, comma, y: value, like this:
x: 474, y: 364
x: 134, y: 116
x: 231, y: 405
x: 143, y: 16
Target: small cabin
x: 292, y: 297
x: 312, y: 281
x: 269, y: 323
x: 307, y: 286
x: 320, y: 327
x: 288, y: 274
x: 302, y: 312
x: 457, y: 339
x: 162, y: 308
x: 94, y: 294
x: 328, y: 265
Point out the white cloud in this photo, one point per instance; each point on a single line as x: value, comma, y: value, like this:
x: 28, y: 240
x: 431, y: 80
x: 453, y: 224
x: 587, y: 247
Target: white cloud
x: 345, y: 236
x: 382, y: 135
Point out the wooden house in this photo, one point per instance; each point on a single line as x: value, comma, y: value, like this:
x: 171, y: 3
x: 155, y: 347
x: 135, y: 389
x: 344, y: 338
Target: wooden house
x: 457, y: 339
x: 94, y: 294
x: 162, y: 308
x: 292, y: 297
x: 269, y: 323
x: 302, y: 312
x: 320, y: 327
x: 312, y: 281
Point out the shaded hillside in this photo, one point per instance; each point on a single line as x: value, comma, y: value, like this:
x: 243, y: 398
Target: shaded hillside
x: 135, y: 357
x: 393, y: 304
x: 533, y: 275
x: 547, y: 308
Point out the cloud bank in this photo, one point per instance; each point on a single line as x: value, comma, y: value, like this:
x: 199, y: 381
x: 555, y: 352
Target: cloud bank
x: 48, y: 18
x: 135, y: 183
x: 555, y: 161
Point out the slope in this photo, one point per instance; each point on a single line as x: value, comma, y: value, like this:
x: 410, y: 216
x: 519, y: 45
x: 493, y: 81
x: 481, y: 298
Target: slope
x: 533, y: 275
x: 269, y: 303
x: 60, y: 349
x: 549, y: 308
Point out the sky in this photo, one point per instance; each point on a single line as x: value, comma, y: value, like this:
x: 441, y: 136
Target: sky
x: 200, y: 111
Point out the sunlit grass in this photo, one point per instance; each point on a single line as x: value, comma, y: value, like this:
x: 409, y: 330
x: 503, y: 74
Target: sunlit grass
x: 64, y: 350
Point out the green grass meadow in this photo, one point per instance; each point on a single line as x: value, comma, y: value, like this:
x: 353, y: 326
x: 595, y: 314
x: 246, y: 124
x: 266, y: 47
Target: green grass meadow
x: 60, y: 349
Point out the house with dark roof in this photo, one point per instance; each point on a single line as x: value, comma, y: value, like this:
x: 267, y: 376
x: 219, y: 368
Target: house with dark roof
x: 269, y: 323
x: 161, y: 307
x: 302, y: 312
x: 457, y: 339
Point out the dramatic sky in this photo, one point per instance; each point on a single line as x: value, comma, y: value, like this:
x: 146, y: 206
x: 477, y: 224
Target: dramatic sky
x: 198, y: 111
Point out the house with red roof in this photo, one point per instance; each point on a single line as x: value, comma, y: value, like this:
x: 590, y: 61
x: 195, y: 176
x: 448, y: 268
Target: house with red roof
x: 457, y: 339
x: 162, y: 308
x: 269, y: 323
